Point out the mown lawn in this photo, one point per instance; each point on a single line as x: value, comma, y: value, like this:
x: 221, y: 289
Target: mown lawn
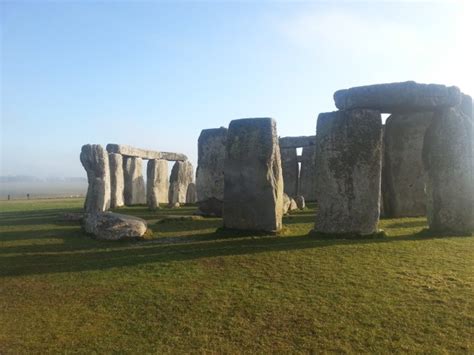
x: 192, y: 289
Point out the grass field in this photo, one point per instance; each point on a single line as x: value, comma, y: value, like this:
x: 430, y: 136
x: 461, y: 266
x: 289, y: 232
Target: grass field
x: 194, y: 290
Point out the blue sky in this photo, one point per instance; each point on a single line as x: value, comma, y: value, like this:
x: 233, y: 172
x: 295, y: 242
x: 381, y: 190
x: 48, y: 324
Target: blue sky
x: 153, y: 74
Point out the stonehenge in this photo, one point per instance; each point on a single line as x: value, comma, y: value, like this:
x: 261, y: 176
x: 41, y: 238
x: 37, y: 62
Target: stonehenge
x: 348, y: 160
x: 253, y: 182
x: 95, y: 161
x: 115, y: 176
x: 419, y: 163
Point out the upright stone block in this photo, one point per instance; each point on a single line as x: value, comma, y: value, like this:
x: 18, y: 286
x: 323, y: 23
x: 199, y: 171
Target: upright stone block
x: 289, y: 166
x: 308, y: 174
x: 348, y: 160
x: 116, y: 180
x: 253, y: 181
x: 448, y: 160
x: 157, y: 184
x: 181, y: 176
x: 134, y: 191
x: 95, y: 161
x: 403, y: 175
x: 210, y: 170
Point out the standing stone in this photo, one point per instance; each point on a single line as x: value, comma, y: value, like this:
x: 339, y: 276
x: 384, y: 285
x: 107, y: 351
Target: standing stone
x: 95, y: 160
x: 308, y: 173
x: 157, y: 184
x: 210, y: 170
x: 289, y: 167
x: 447, y: 157
x: 116, y: 180
x: 191, y: 196
x: 134, y: 192
x: 181, y: 176
x: 348, y: 157
x: 403, y: 179
x: 253, y: 181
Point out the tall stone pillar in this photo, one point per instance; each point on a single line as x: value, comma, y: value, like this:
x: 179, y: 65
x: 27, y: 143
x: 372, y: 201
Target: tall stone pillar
x: 289, y: 167
x: 448, y: 160
x: 95, y: 160
x: 134, y: 191
x: 348, y: 174
x: 308, y: 174
x: 182, y: 175
x: 157, y: 184
x: 403, y: 175
x: 253, y: 181
x: 116, y: 180
x: 210, y: 170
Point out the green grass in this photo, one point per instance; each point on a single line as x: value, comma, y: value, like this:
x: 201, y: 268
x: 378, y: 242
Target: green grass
x: 192, y: 289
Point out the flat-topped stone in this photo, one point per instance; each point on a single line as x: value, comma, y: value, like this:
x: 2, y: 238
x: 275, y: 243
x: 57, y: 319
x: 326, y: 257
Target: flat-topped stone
x: 402, y: 97
x: 129, y: 151
x: 297, y: 142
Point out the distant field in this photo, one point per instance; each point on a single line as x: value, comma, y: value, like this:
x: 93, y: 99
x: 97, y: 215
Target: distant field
x: 192, y: 289
x: 18, y: 190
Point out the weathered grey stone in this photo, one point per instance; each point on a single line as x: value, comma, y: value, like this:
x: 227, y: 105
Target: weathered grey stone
x: 129, y: 151
x: 134, y: 188
x: 116, y: 180
x: 286, y: 203
x: 296, y: 142
x: 95, y: 161
x: 447, y: 158
x: 290, y: 169
x: 466, y: 105
x: 253, y: 181
x: 398, y: 97
x: 210, y: 207
x: 300, y: 202
x: 191, y: 195
x: 403, y: 175
x: 348, y: 160
x: 114, y: 226
x: 308, y: 174
x: 210, y: 170
x: 181, y: 176
x: 157, y: 184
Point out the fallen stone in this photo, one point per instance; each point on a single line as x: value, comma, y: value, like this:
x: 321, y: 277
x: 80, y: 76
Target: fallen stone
x: 406, y: 97
x: 403, y: 175
x: 308, y: 174
x: 447, y: 158
x: 290, y: 169
x: 296, y: 142
x: 157, y: 184
x: 210, y: 170
x: 253, y: 181
x: 134, y: 184
x: 182, y: 175
x: 114, y: 226
x: 129, y: 151
x: 300, y: 202
x: 116, y: 180
x: 95, y: 161
x: 348, y: 160
x: 210, y: 207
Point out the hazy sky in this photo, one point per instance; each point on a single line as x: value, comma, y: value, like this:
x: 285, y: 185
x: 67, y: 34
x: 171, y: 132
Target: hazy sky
x: 153, y: 74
